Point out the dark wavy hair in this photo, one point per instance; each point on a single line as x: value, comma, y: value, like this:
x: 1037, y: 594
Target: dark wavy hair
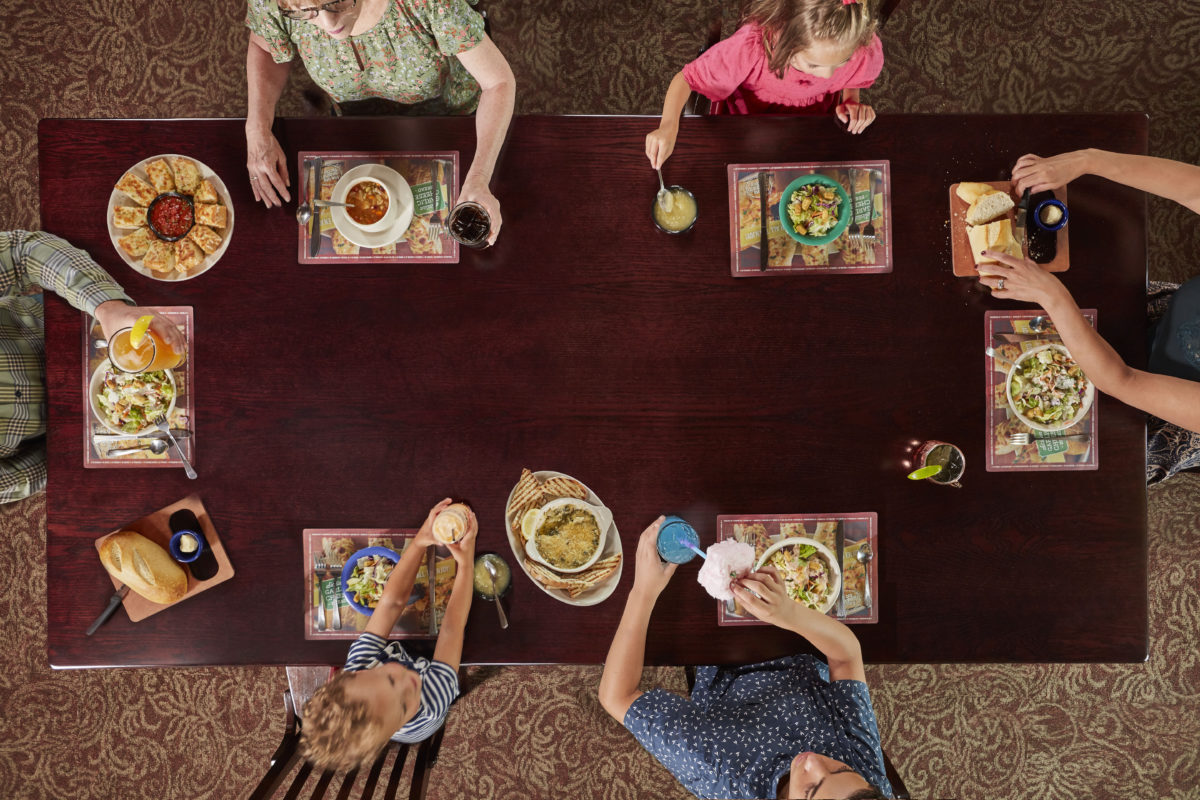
x: 791, y: 26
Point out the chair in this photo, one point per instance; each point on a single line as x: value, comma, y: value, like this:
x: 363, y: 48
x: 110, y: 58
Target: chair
x: 899, y: 790
x: 286, y: 761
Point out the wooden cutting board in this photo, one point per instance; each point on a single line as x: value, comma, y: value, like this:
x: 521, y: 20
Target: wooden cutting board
x: 157, y: 529
x: 960, y: 248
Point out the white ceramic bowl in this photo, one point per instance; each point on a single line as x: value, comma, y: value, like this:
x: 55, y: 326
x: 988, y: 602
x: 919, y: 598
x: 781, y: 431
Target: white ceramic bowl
x: 600, y: 514
x: 94, y: 390
x: 389, y: 215
x: 835, y: 584
x: 1088, y: 396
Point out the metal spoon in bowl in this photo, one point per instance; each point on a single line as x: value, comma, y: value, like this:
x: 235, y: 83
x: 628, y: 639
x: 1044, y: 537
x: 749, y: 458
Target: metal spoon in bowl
x: 304, y: 211
x: 666, y: 200
x: 491, y: 571
x: 154, y: 445
x: 864, y: 556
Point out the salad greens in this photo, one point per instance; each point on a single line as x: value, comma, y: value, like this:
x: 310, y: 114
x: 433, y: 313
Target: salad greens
x: 1048, y: 388
x: 804, y: 573
x: 367, y: 579
x: 131, y: 402
x: 814, y: 210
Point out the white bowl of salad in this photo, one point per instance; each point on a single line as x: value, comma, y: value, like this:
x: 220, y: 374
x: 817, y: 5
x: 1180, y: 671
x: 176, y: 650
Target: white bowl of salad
x: 1047, y: 390
x: 364, y: 576
x: 129, y: 403
x: 808, y: 569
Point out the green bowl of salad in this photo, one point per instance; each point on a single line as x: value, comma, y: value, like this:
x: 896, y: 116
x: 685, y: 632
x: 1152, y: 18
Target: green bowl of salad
x: 364, y: 576
x: 1047, y: 390
x: 814, y: 209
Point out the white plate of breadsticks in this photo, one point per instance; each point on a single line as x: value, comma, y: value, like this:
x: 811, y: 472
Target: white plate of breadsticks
x: 587, y: 588
x: 176, y: 259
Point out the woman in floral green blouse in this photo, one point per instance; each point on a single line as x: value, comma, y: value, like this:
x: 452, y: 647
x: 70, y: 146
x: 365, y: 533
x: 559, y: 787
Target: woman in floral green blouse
x: 429, y: 54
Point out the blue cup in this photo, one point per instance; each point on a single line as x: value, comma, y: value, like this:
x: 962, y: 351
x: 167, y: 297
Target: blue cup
x: 177, y: 551
x: 1043, y: 208
x: 674, y: 536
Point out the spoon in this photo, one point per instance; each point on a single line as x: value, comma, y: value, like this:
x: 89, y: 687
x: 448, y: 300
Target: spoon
x: 666, y: 200
x: 1037, y: 324
x: 304, y: 212
x: 491, y: 571
x: 156, y: 446
x: 864, y: 556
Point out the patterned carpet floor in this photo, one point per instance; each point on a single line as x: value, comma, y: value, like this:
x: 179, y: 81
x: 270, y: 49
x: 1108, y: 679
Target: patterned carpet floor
x: 1097, y: 731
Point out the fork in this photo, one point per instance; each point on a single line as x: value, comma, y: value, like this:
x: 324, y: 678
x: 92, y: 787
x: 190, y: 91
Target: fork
x: 162, y: 424
x: 852, y: 233
x: 336, y: 569
x: 869, y: 231
x: 437, y: 229
x: 318, y: 568
x: 1022, y: 439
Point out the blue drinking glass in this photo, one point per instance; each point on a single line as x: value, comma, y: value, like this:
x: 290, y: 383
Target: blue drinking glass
x: 674, y: 538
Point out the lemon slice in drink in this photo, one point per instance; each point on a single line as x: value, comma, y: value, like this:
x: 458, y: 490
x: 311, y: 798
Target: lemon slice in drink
x: 139, y: 330
x: 527, y: 523
x: 927, y: 471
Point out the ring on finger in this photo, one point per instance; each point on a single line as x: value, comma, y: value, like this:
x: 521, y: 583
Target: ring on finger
x: 1000, y: 284
x: 253, y: 177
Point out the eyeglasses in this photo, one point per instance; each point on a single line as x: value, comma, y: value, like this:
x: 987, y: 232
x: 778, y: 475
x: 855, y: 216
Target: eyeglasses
x: 336, y: 7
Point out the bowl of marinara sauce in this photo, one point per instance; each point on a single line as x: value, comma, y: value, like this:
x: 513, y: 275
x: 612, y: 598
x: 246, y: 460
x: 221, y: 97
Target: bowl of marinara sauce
x: 171, y: 216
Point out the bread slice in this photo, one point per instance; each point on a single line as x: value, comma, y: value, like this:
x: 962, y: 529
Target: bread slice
x: 993, y: 236
x: 988, y: 207
x: 970, y: 191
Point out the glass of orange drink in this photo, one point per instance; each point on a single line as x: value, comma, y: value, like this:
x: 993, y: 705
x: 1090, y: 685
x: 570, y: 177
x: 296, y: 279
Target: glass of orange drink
x: 151, y: 353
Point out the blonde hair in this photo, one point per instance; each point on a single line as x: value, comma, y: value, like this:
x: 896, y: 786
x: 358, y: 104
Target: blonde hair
x: 792, y: 26
x: 338, y: 732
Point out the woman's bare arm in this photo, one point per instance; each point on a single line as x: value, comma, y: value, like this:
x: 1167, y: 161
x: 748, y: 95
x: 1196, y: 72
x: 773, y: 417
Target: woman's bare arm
x: 490, y: 68
x: 1173, y: 180
x: 265, y: 160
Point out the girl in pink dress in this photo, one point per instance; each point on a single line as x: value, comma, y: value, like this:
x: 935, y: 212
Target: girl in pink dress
x: 789, y: 57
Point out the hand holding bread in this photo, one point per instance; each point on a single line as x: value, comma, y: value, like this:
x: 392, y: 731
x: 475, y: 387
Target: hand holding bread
x: 143, y: 566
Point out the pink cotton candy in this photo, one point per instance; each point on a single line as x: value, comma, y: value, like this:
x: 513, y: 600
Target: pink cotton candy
x: 726, y: 560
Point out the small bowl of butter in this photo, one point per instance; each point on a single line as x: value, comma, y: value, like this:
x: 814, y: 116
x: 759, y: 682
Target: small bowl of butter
x: 186, y: 546
x: 1050, y: 215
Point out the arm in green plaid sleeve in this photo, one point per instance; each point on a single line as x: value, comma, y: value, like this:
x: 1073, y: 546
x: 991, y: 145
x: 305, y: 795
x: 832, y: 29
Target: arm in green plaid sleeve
x: 34, y: 257
x: 23, y: 474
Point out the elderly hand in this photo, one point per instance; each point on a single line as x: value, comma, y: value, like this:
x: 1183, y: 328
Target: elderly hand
x: 856, y: 116
x: 1022, y: 280
x: 267, y: 166
x: 477, y: 191
x: 763, y: 594
x: 1039, y: 174
x: 650, y: 575
x: 113, y: 315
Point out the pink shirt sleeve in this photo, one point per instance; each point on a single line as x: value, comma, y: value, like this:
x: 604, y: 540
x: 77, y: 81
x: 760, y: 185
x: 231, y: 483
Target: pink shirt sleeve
x: 725, y: 66
x: 867, y: 63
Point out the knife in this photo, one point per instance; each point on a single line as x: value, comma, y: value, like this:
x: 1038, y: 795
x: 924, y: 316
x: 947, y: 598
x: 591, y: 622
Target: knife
x: 763, y: 248
x: 179, y: 433
x: 113, y: 602
x: 314, y: 224
x: 1019, y: 225
x: 839, y: 541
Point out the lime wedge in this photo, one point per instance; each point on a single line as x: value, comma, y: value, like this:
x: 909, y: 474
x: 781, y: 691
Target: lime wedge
x: 139, y: 330
x: 927, y: 471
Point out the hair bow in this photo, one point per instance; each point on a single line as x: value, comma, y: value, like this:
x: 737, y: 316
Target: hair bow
x: 849, y: 2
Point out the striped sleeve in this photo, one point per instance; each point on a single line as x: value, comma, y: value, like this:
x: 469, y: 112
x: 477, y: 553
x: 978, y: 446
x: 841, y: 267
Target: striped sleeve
x: 367, y: 648
x: 29, y: 258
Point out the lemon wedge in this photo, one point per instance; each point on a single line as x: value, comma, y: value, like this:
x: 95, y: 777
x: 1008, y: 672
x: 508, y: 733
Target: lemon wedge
x: 924, y: 472
x: 527, y: 523
x: 139, y: 330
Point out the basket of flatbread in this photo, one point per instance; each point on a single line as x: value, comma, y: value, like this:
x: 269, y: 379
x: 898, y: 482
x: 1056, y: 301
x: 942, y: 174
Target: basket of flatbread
x: 170, y: 217
x: 570, y: 524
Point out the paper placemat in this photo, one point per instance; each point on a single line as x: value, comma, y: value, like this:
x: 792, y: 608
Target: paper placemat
x: 763, y: 530
x: 1009, y: 335
x: 433, y: 178
x: 99, y: 441
x: 156, y: 527
x: 419, y: 620
x: 871, y: 201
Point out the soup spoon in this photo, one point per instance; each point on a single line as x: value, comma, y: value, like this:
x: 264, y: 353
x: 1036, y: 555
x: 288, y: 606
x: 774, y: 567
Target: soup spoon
x: 864, y: 556
x: 155, y: 446
x: 304, y: 211
x: 491, y: 571
x: 666, y: 201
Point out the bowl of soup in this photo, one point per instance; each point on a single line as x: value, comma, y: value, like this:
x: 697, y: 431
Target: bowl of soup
x: 680, y: 217
x: 369, y: 202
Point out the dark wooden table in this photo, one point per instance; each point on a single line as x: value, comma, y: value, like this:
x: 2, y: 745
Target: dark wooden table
x: 589, y: 342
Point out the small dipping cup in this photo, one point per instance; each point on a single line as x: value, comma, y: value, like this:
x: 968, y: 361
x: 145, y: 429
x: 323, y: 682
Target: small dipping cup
x: 675, y: 192
x: 1043, y: 208
x: 674, y: 536
x: 177, y: 546
x: 482, y: 582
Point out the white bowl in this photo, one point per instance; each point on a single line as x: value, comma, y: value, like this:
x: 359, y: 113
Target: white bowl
x: 1088, y: 396
x: 389, y: 215
x: 835, y: 585
x: 400, y: 206
x: 600, y: 514
x: 93, y: 390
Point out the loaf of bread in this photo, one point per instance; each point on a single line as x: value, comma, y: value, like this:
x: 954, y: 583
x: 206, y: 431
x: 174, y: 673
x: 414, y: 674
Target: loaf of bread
x: 144, y: 567
x: 993, y: 236
x: 970, y: 191
x: 988, y: 207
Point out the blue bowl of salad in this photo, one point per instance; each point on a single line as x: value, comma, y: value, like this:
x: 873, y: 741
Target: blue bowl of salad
x: 814, y: 209
x: 364, y: 576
